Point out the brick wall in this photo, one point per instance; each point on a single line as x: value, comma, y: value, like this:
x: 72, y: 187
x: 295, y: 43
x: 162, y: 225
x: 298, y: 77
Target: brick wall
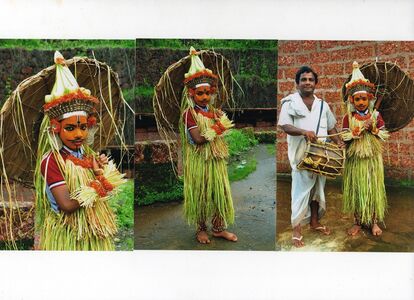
x: 332, y: 60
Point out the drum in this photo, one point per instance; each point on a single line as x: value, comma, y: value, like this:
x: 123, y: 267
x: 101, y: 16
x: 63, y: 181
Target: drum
x: 323, y: 158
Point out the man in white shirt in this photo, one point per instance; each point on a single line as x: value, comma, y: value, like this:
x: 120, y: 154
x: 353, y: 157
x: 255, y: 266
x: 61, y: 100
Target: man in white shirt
x: 299, y: 117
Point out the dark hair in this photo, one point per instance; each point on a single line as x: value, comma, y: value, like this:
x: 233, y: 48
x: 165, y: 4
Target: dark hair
x: 305, y: 69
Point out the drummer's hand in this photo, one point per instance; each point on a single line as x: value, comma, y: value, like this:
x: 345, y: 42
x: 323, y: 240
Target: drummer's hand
x: 310, y: 136
x: 368, y: 124
x: 219, y: 113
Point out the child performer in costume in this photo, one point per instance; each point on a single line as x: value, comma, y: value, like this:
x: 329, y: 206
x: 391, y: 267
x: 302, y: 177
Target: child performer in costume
x: 207, y: 191
x: 363, y: 178
x: 73, y: 183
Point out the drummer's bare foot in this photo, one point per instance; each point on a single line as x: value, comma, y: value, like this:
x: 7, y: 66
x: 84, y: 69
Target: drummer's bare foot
x: 354, y: 229
x: 226, y: 235
x: 297, y: 237
x: 376, y: 230
x: 320, y: 228
x: 202, y: 237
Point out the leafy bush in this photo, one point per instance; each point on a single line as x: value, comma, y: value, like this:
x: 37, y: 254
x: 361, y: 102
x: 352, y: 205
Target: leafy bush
x: 123, y: 205
x: 240, y: 140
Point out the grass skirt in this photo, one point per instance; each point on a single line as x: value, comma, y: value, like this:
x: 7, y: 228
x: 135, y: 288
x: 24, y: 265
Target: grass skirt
x: 207, y: 190
x: 74, y: 232
x: 363, y: 180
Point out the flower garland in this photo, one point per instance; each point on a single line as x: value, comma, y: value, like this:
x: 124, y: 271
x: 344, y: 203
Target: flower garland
x: 86, y: 162
x: 362, y: 118
x: 101, y: 185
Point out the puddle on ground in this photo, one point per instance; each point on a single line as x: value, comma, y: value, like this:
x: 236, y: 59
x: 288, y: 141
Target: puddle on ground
x: 398, y: 236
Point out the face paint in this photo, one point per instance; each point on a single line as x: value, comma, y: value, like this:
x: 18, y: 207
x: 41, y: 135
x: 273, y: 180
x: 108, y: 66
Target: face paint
x: 202, y: 95
x: 74, y: 131
x: 361, y: 101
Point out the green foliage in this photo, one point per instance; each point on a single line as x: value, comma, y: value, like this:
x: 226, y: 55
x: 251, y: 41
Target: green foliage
x: 139, y: 91
x: 44, y: 44
x: 123, y: 205
x: 160, y: 191
x: 266, y: 136
x: 271, y: 149
x: 241, y: 169
x: 184, y: 44
x: 240, y: 140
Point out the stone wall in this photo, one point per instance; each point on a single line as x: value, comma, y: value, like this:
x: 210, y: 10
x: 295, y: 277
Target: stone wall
x: 252, y: 68
x: 332, y: 60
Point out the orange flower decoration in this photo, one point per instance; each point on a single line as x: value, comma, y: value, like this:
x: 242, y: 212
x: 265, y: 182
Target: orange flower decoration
x: 356, y: 131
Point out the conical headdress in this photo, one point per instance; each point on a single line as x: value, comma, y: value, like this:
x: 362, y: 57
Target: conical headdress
x: 66, y: 96
x: 198, y: 74
x: 358, y: 83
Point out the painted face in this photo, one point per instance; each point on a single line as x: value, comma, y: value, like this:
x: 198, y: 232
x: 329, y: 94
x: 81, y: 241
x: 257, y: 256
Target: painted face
x: 74, y: 131
x: 202, y: 95
x: 306, y: 84
x: 361, y: 101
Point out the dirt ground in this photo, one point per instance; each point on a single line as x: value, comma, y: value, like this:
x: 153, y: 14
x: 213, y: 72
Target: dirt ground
x: 398, y: 233
x: 162, y: 226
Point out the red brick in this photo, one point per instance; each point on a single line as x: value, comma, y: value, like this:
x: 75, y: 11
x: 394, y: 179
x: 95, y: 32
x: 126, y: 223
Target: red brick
x: 339, y: 55
x: 396, y: 149
x: 411, y: 65
x: 333, y: 97
x: 401, y: 61
x: 285, y: 86
x: 363, y: 52
x: 280, y: 136
x: 318, y: 69
x: 407, y: 47
x: 290, y: 73
x: 333, y: 69
x: 286, y: 60
x: 328, y: 44
x: 319, y: 57
x: 302, y: 60
x: 289, y: 47
x: 335, y: 44
x: 280, y: 73
x: 410, y: 135
x: 397, y: 136
x: 283, y: 167
x: 387, y: 48
x: 282, y: 146
x: 331, y: 83
x: 309, y: 45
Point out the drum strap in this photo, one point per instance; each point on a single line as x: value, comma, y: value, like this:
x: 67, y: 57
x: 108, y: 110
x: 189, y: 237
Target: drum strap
x: 319, y: 121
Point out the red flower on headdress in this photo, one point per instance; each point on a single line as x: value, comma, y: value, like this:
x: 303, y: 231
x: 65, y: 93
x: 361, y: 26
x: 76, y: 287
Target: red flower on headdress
x: 91, y: 121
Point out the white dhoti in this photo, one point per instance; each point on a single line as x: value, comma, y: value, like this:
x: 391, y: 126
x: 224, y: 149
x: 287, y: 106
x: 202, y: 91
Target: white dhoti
x: 306, y: 186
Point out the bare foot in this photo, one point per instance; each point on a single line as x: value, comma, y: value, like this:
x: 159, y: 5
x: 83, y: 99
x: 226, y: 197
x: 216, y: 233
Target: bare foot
x: 376, y: 230
x: 226, y: 235
x: 354, y: 229
x: 202, y: 237
x: 320, y: 228
x: 297, y: 237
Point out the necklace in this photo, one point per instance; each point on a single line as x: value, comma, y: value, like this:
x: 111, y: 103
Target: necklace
x: 85, y: 162
x: 362, y: 118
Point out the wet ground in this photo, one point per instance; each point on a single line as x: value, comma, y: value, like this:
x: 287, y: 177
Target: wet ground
x: 162, y: 226
x: 398, y: 235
